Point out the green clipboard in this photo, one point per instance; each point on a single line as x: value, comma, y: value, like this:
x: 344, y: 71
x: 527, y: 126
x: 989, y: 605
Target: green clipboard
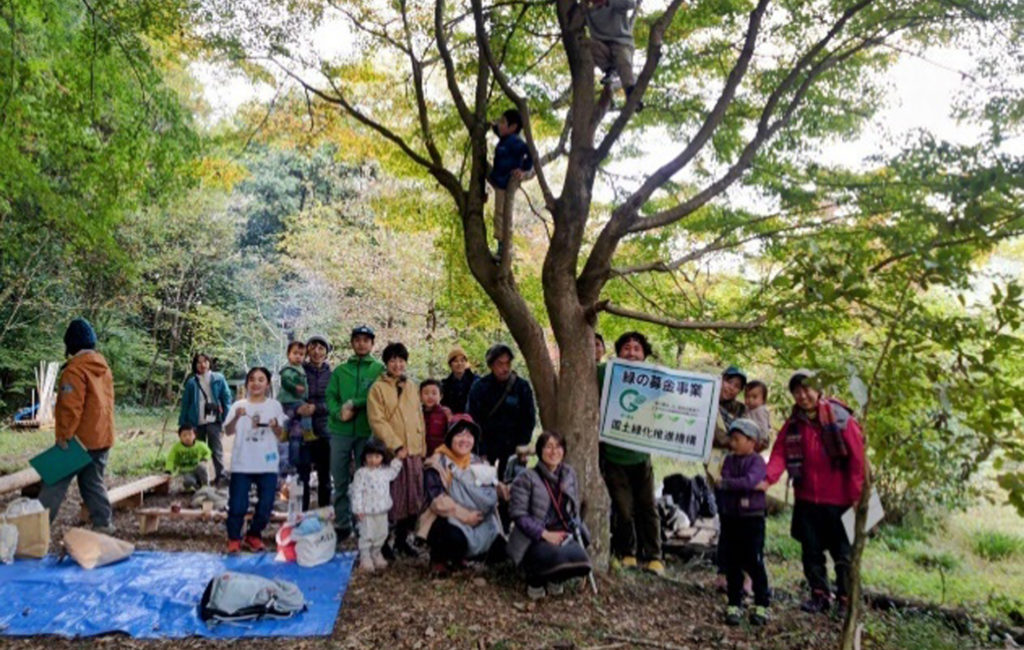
x: 55, y: 463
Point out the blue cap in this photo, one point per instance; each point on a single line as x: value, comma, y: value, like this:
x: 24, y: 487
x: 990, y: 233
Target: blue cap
x: 362, y: 330
x: 734, y: 371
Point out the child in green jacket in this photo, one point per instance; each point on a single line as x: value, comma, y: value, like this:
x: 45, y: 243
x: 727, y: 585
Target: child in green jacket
x: 292, y: 395
x: 187, y: 459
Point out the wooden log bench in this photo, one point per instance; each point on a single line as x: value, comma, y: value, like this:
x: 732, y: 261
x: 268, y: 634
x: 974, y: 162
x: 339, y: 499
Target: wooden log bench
x: 130, y: 495
x: 149, y: 518
x: 19, y: 480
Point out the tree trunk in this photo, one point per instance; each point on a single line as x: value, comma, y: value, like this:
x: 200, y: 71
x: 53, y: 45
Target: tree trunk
x: 850, y: 639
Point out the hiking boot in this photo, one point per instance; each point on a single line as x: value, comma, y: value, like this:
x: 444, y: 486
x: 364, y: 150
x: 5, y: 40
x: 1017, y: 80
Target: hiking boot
x: 629, y: 562
x: 555, y: 588
x: 657, y: 567
x: 234, y: 546
x: 733, y: 615
x: 378, y: 560
x: 818, y: 604
x: 366, y: 563
x: 254, y: 544
x: 759, y: 616
x: 535, y: 593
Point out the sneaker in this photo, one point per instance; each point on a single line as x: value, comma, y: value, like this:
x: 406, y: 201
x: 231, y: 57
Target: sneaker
x: 342, y: 533
x: 629, y: 562
x: 733, y: 615
x: 556, y: 588
x: 611, y: 78
x: 109, y: 529
x: 535, y: 593
x: 439, y: 570
x: 818, y: 604
x: 388, y: 552
x: 378, y: 561
x: 366, y: 563
x: 234, y: 546
x: 402, y: 547
x: 759, y: 616
x: 657, y: 567
x: 254, y: 544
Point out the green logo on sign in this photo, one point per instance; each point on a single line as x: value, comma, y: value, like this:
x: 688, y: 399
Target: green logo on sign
x: 630, y: 400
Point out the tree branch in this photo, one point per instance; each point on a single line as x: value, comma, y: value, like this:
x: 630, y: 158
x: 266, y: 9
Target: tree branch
x: 524, y: 110
x: 611, y: 308
x: 651, y: 65
x: 449, y: 65
x: 421, y: 102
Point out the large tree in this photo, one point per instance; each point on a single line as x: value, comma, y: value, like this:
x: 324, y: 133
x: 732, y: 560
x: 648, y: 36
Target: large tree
x: 734, y: 93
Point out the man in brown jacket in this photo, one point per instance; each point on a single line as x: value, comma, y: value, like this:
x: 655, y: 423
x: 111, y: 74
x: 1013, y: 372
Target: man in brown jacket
x: 84, y: 410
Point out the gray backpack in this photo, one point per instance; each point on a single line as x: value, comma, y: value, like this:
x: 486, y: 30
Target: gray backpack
x: 244, y: 597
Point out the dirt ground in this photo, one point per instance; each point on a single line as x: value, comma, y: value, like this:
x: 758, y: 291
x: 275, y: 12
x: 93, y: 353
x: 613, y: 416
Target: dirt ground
x: 486, y: 607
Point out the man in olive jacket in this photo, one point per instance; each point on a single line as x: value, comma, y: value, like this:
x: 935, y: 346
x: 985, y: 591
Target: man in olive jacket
x: 347, y: 421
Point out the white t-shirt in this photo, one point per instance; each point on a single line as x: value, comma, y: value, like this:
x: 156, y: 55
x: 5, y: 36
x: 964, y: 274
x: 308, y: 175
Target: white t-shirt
x: 255, y: 448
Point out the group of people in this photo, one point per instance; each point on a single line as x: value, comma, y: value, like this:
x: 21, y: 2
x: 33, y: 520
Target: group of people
x: 445, y: 464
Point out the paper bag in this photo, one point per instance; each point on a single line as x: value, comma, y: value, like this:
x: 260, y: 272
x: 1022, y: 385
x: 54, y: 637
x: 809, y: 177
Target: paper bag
x: 33, y: 533
x: 91, y: 549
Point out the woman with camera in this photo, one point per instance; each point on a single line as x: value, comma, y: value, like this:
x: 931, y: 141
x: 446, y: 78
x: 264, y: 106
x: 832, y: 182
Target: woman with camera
x: 204, y: 403
x: 548, y: 537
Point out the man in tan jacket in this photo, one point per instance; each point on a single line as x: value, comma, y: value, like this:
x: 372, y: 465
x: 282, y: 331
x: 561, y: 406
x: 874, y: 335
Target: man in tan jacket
x: 84, y: 410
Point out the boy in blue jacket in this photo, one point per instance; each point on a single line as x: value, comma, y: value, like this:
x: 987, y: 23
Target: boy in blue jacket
x: 512, y: 162
x: 741, y: 509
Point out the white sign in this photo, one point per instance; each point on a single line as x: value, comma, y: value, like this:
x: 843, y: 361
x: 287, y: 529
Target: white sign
x: 659, y: 410
x: 875, y: 515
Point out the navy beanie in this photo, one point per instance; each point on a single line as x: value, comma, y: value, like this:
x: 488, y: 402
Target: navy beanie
x: 79, y: 336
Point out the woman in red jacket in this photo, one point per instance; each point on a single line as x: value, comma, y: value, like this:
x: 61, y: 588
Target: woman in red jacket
x: 822, y: 449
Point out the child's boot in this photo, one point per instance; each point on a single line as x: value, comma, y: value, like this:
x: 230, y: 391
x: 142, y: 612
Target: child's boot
x: 733, y: 615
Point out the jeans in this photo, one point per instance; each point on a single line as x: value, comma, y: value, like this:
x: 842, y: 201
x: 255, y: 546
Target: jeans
x: 196, y: 479
x: 819, y: 528
x: 91, y: 487
x: 238, y: 502
x: 346, y: 451
x: 210, y: 434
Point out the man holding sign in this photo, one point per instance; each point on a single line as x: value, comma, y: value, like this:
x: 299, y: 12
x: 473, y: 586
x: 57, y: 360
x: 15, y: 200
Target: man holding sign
x: 630, y: 482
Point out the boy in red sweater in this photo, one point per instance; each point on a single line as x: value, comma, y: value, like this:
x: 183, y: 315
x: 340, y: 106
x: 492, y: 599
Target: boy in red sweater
x: 435, y: 416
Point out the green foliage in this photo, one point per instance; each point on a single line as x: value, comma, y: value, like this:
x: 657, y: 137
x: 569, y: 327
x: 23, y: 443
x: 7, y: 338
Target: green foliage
x: 995, y: 545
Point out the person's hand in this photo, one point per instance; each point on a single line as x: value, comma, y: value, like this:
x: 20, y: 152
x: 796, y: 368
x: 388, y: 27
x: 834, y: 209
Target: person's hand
x: 273, y: 423
x: 554, y: 537
x: 762, y: 486
x: 306, y: 409
x: 401, y: 453
x: 517, y: 174
x: 240, y: 412
x: 255, y: 421
x: 360, y: 516
x: 347, y: 411
x: 63, y: 444
x: 472, y: 518
x: 300, y: 390
x: 503, y: 491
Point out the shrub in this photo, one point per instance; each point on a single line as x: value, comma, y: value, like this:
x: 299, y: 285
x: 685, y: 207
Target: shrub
x: 994, y: 545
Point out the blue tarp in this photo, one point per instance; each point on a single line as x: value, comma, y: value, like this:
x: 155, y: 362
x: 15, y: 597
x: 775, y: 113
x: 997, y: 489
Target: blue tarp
x: 154, y: 595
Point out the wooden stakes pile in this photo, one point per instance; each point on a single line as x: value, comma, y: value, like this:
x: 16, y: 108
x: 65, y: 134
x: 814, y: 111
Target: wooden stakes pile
x: 45, y: 393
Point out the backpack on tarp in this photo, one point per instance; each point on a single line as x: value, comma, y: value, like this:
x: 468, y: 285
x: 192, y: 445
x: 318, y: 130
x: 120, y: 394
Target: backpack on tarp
x: 244, y: 597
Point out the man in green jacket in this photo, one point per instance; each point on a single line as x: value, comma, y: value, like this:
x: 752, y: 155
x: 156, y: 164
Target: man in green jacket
x: 347, y: 421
